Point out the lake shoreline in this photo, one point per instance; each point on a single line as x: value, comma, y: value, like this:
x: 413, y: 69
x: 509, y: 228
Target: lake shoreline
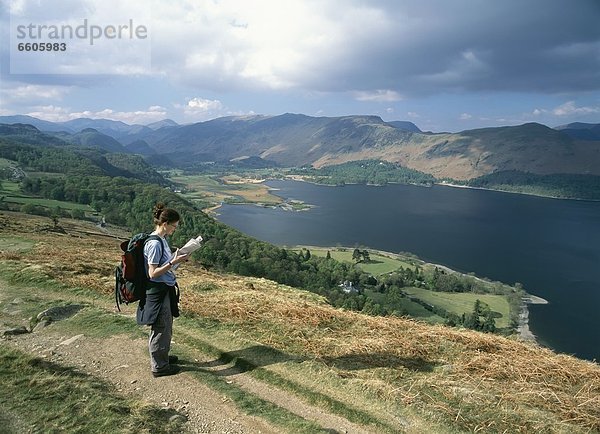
x: 440, y: 183
x: 471, y: 232
x: 523, y: 329
x: 545, y: 196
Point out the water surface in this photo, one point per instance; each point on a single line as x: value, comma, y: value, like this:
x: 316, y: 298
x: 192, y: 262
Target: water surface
x: 551, y: 246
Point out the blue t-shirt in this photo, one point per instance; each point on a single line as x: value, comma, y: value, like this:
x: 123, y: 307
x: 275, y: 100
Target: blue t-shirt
x: 152, y: 253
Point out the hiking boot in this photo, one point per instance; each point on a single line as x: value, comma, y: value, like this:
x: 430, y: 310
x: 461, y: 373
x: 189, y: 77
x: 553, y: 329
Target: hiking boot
x: 173, y: 359
x: 170, y: 370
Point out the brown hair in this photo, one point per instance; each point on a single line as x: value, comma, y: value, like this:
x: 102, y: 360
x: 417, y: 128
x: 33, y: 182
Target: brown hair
x: 164, y: 215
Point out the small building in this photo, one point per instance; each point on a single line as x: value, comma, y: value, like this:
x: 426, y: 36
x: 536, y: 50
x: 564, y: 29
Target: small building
x: 348, y: 287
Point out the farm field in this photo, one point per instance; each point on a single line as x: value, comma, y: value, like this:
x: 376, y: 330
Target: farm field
x: 378, y: 265
x: 462, y: 302
x: 232, y: 189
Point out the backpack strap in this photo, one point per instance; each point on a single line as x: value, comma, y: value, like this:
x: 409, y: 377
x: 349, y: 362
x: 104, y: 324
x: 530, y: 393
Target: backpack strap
x: 117, y: 284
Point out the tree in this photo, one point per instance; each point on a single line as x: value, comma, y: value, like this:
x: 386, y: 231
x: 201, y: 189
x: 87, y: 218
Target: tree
x: 356, y: 255
x: 366, y: 256
x: 489, y: 324
x: 78, y: 214
x: 328, y: 255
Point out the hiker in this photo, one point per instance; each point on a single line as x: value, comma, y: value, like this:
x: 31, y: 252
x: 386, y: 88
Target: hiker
x: 162, y: 295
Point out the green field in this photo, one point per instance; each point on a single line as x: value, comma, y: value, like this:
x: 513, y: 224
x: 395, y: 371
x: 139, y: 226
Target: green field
x: 9, y: 187
x: 462, y: 302
x: 229, y: 189
x: 379, y: 264
x: 407, y: 307
x: 10, y: 192
x: 4, y: 163
x: 48, y: 203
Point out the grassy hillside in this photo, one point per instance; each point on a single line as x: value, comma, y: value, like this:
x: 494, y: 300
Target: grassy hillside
x: 382, y: 374
x: 469, y: 154
x: 379, y: 263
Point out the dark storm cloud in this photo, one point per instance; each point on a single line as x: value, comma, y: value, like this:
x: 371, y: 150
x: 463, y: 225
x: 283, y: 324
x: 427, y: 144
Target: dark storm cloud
x: 427, y: 47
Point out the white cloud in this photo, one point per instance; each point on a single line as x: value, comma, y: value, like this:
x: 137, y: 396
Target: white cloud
x: 199, y: 109
x: 389, y: 110
x: 261, y: 44
x: 465, y: 117
x: 34, y: 91
x: 379, y: 95
x: 569, y: 108
x: 413, y: 115
x: 20, y: 93
x: 60, y: 114
x: 204, y: 105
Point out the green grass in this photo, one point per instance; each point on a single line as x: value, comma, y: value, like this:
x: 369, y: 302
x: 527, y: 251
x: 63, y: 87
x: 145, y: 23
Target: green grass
x: 47, y: 203
x: 11, y: 193
x: 462, y: 302
x: 9, y: 188
x: 99, y: 323
x: 405, y: 306
x: 40, y: 396
x: 252, y: 360
x: 379, y: 264
x: 4, y: 163
x: 15, y: 244
x: 283, y: 371
x: 252, y: 404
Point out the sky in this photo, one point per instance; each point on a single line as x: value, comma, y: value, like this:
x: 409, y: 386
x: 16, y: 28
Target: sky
x: 446, y: 65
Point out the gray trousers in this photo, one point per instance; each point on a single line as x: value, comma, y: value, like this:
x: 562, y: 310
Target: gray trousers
x: 159, y: 343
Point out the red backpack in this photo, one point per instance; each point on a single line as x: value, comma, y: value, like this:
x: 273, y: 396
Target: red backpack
x: 131, y: 278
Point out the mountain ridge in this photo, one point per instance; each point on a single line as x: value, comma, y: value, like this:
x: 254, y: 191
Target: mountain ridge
x: 295, y: 140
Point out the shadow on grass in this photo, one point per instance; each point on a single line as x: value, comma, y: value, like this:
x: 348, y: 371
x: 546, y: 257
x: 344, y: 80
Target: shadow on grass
x: 244, y: 360
x: 370, y: 261
x: 257, y: 356
x: 358, y: 361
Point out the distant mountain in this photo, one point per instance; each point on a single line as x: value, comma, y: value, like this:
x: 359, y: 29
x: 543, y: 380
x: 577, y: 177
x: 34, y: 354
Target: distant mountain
x: 116, y: 129
x: 405, y: 125
x: 295, y: 140
x: 577, y: 126
x: 288, y: 139
x: 91, y: 138
x: 38, y: 123
x: 140, y: 147
x: 164, y: 123
x: 581, y: 131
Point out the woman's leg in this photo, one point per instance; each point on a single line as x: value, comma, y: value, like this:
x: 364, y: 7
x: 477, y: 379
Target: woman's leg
x: 159, y: 342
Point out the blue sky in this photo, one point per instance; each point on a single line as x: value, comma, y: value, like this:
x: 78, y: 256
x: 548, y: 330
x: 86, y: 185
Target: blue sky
x: 444, y: 65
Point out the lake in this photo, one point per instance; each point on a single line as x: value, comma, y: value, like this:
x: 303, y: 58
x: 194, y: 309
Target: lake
x: 551, y: 246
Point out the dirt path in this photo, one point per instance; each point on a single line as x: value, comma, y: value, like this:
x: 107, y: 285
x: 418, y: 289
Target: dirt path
x: 124, y: 363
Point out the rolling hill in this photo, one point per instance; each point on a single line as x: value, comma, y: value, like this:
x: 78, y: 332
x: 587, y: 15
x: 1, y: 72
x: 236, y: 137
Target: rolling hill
x: 253, y: 347
x: 581, y: 130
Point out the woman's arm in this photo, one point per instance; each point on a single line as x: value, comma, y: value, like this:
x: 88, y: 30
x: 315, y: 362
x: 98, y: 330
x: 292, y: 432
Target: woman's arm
x: 155, y: 271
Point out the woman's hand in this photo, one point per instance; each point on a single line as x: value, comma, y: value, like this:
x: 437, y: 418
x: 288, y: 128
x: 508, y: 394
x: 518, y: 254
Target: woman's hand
x: 179, y: 258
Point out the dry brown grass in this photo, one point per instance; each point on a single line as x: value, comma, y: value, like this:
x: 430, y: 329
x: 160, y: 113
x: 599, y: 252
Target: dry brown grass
x: 474, y: 381
x: 481, y: 381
